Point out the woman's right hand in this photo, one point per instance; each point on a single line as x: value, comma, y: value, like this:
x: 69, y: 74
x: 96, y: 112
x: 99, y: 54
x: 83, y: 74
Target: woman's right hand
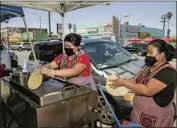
x: 43, y: 70
x: 112, y: 80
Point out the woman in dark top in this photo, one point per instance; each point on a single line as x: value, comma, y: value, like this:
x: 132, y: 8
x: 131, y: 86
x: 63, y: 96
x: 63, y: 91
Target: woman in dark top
x: 154, y: 87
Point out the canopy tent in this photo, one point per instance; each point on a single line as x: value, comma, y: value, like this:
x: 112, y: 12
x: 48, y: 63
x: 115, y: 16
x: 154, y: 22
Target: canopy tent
x: 166, y: 38
x: 61, y: 7
x: 148, y: 39
x: 8, y: 12
x: 134, y: 39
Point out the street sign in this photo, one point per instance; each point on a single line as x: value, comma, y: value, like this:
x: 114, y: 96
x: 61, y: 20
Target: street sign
x: 59, y: 28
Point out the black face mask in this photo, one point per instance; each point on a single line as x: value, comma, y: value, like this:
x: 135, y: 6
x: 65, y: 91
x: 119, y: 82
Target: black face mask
x: 69, y: 51
x: 150, y: 61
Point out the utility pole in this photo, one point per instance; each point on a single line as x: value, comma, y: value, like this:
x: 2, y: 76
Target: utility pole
x: 49, y: 24
x: 40, y: 23
x: 164, y: 20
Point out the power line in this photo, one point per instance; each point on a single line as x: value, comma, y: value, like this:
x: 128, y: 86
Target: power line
x: 155, y: 24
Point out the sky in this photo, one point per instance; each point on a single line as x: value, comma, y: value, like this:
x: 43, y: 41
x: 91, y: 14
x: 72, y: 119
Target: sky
x: 147, y: 13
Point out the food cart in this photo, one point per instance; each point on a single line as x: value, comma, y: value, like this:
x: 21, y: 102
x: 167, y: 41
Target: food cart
x: 55, y: 104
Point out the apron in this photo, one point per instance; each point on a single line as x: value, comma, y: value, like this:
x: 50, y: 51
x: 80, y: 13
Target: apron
x: 145, y: 110
x: 86, y: 81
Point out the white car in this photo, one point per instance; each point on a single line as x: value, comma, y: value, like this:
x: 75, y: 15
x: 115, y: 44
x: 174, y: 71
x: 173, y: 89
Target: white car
x: 21, y: 46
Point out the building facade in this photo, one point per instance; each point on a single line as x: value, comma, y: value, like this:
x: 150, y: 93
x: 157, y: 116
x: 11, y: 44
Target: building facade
x: 105, y: 31
x: 14, y: 34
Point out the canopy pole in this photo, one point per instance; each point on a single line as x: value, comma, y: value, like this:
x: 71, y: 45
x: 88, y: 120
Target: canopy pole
x: 32, y: 47
x: 63, y: 31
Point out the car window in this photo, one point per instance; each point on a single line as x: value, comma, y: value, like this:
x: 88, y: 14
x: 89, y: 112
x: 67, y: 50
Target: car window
x: 18, y: 44
x: 144, y: 46
x: 137, y: 45
x: 47, y: 52
x: 106, y: 52
x: 130, y: 46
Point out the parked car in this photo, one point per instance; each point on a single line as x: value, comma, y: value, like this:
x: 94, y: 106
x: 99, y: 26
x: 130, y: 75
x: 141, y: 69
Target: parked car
x: 20, y: 46
x: 8, y: 59
x: 107, y: 58
x: 139, y: 48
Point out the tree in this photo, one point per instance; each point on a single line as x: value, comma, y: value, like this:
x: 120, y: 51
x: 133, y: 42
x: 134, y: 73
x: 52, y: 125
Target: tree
x: 168, y: 16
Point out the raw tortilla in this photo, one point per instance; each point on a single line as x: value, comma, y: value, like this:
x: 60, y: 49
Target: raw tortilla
x: 35, y: 79
x: 120, y: 91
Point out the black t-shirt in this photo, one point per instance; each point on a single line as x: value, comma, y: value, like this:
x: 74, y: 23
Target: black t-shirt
x: 167, y: 76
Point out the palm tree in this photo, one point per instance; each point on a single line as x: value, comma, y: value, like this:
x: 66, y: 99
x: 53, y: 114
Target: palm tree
x: 168, y: 16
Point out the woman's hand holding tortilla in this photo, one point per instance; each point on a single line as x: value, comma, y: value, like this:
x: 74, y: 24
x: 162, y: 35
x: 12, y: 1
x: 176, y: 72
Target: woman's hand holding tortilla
x: 47, y: 71
x: 115, y: 82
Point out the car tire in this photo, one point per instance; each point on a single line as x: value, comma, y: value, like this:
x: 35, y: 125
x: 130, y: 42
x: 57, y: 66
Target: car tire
x: 20, y: 49
x: 139, y: 53
x: 105, y: 115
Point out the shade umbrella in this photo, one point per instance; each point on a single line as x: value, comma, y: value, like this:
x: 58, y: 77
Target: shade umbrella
x: 134, y: 39
x: 148, y: 39
x: 166, y: 38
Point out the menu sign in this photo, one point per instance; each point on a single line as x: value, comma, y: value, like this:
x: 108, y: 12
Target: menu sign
x: 90, y: 30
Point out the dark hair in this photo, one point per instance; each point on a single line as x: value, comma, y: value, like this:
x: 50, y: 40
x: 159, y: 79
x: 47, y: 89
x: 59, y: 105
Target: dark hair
x: 75, y: 39
x: 162, y: 46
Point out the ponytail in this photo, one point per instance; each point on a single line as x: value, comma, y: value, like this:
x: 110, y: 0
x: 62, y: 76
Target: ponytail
x: 169, y: 52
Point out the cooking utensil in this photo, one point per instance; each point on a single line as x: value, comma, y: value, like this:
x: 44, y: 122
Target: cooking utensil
x: 20, y: 77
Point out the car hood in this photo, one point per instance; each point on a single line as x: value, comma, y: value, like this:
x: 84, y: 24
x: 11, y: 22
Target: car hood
x: 127, y: 70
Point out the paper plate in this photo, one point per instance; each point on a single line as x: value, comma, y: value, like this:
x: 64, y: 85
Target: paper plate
x: 35, y: 79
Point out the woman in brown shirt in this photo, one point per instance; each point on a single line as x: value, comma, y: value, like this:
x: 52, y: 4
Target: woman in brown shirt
x: 154, y: 87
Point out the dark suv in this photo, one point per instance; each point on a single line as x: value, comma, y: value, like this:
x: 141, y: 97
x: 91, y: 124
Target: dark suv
x: 139, y: 48
x: 107, y: 58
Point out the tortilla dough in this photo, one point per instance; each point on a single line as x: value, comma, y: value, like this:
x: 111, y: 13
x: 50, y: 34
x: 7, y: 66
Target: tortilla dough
x: 35, y: 79
x: 120, y: 91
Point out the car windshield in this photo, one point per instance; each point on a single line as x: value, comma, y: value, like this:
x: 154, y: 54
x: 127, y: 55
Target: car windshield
x: 106, y: 54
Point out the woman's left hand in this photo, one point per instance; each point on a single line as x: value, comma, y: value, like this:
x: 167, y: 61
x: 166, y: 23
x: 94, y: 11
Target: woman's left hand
x: 116, y: 83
